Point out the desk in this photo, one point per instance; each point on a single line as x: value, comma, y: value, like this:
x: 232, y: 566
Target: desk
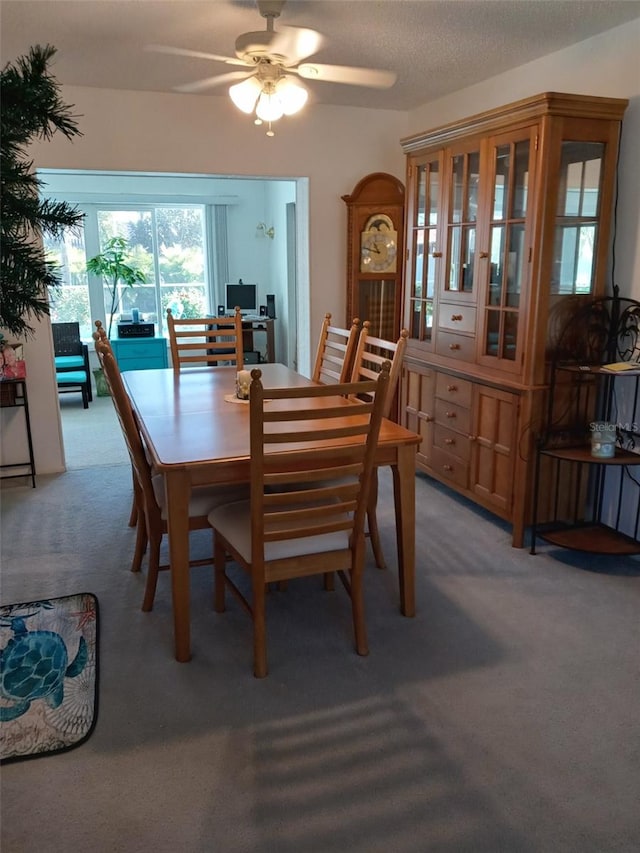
x: 251, y: 328
x: 196, y: 438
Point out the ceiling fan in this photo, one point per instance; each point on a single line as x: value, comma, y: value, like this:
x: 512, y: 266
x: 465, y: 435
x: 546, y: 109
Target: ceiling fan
x: 272, y: 57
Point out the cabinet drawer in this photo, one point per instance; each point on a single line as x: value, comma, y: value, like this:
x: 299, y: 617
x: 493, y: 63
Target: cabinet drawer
x: 452, y: 442
x: 456, y: 346
x: 452, y: 416
x: 453, y: 389
x: 450, y: 467
x: 457, y: 318
x: 139, y: 349
x: 140, y: 354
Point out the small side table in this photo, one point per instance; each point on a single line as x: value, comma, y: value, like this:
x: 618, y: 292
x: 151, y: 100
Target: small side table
x: 13, y: 394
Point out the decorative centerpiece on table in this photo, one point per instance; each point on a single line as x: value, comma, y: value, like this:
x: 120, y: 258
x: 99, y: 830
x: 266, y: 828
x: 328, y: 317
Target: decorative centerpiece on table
x: 117, y: 269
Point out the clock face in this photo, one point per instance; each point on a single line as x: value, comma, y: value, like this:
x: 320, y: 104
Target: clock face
x: 378, y: 245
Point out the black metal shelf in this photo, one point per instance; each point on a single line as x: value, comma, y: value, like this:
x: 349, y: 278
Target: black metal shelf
x: 14, y: 396
x: 585, y: 501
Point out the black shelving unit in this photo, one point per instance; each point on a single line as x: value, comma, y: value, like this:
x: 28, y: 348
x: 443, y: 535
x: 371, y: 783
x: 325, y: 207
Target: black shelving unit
x: 13, y: 394
x: 581, y: 501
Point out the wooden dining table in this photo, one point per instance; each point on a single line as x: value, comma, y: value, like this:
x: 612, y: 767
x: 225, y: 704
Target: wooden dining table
x: 197, y: 437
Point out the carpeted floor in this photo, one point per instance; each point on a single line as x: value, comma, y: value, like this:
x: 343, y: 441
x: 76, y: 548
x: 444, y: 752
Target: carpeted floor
x: 92, y: 437
x: 502, y: 719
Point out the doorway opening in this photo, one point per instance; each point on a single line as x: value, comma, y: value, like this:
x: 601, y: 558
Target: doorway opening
x: 194, y: 234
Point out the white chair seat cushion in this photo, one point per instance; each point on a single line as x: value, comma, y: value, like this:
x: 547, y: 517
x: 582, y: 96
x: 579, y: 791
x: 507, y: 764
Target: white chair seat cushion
x: 234, y: 523
x: 203, y: 498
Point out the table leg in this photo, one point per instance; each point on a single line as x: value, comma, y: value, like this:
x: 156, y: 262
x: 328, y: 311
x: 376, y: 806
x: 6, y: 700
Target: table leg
x: 404, y: 494
x: 178, y: 489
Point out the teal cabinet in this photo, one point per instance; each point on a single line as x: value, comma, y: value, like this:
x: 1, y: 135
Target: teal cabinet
x: 140, y: 353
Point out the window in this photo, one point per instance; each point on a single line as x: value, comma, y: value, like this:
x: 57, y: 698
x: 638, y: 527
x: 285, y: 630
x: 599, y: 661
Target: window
x: 70, y: 301
x: 166, y: 242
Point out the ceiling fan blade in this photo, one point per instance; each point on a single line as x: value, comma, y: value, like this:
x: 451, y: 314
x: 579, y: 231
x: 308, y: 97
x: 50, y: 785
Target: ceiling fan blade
x: 295, y: 43
x: 210, y: 82
x: 347, y: 74
x: 198, y: 54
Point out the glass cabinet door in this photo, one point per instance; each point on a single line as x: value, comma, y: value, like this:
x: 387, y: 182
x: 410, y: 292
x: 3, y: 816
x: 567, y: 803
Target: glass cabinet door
x: 577, y: 216
x: 425, y: 253
x: 507, y: 250
x: 462, y: 216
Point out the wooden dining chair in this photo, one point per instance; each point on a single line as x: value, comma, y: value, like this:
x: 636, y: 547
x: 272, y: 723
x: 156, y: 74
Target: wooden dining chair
x: 211, y: 341
x: 371, y: 353
x: 299, y: 521
x: 100, y: 334
x: 334, y: 357
x: 149, y: 488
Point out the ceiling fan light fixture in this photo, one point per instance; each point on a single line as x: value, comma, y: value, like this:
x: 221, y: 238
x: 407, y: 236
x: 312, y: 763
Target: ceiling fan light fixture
x: 269, y: 107
x: 244, y: 95
x: 292, y: 95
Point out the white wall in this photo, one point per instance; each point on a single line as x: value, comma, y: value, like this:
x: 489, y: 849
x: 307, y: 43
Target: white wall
x: 280, y: 193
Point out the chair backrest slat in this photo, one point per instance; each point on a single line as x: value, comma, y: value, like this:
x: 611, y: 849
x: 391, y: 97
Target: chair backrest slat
x: 208, y: 341
x: 334, y: 356
x: 369, y: 357
x: 312, y: 453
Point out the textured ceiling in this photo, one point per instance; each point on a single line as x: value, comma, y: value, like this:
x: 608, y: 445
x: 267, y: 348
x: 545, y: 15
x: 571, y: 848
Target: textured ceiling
x: 434, y: 46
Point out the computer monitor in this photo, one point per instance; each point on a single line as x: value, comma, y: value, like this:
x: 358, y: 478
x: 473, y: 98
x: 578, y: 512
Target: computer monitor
x: 244, y: 296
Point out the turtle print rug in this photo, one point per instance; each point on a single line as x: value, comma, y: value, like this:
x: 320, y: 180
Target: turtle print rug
x: 48, y: 675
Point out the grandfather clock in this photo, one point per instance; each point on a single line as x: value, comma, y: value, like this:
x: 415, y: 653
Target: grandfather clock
x: 375, y: 253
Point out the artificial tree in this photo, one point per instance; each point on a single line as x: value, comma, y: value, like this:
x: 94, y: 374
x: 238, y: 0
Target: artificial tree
x: 32, y: 109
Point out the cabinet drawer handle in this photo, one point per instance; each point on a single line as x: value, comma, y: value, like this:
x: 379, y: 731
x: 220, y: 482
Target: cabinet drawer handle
x: 436, y: 254
x: 452, y: 388
x: 456, y: 317
x: 449, y: 414
x: 447, y: 467
x: 454, y: 346
x: 484, y: 254
x: 428, y: 419
x: 449, y: 441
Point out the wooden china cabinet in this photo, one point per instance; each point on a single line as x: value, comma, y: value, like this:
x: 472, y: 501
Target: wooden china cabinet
x: 375, y: 240
x: 508, y: 226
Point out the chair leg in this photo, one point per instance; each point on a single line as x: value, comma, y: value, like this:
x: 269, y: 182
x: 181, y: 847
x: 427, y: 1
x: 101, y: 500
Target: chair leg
x: 152, y: 573
x: 133, y: 515
x: 259, y: 629
x: 219, y: 586
x: 87, y: 370
x: 372, y: 522
x: 141, y: 544
x: 85, y: 396
x: 357, y: 608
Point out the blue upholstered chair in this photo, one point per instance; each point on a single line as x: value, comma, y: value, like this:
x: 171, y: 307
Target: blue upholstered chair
x: 71, y: 361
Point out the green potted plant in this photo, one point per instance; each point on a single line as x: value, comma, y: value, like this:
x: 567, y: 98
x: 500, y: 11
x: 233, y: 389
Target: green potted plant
x: 116, y: 267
